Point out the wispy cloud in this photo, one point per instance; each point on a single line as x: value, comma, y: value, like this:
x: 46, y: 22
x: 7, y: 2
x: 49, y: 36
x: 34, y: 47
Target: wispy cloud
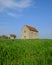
x: 14, y: 4
x: 14, y: 14
x: 11, y: 14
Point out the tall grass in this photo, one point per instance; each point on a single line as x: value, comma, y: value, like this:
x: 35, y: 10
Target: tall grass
x: 25, y: 52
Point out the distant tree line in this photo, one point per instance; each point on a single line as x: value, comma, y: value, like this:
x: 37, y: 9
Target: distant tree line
x: 3, y: 37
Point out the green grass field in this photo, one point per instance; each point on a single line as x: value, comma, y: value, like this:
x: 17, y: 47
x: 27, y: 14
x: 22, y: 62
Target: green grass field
x: 25, y: 52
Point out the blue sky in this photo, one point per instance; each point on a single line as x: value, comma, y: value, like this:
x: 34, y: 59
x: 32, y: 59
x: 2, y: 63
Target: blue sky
x: 14, y: 14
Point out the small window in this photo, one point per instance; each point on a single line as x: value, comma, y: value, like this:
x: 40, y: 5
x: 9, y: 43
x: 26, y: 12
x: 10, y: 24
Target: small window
x: 24, y: 31
x: 25, y: 37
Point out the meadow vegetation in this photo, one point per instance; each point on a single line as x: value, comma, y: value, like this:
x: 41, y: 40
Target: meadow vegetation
x: 25, y: 52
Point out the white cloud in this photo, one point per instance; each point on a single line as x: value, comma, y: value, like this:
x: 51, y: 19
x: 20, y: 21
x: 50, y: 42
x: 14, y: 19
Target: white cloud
x: 13, y: 14
x: 18, y: 5
x: 4, y: 4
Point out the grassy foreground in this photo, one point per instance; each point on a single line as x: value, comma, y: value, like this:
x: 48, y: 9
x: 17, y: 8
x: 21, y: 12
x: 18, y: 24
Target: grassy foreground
x: 25, y: 52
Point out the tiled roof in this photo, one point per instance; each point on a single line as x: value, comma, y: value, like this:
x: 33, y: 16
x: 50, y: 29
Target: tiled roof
x: 32, y: 28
